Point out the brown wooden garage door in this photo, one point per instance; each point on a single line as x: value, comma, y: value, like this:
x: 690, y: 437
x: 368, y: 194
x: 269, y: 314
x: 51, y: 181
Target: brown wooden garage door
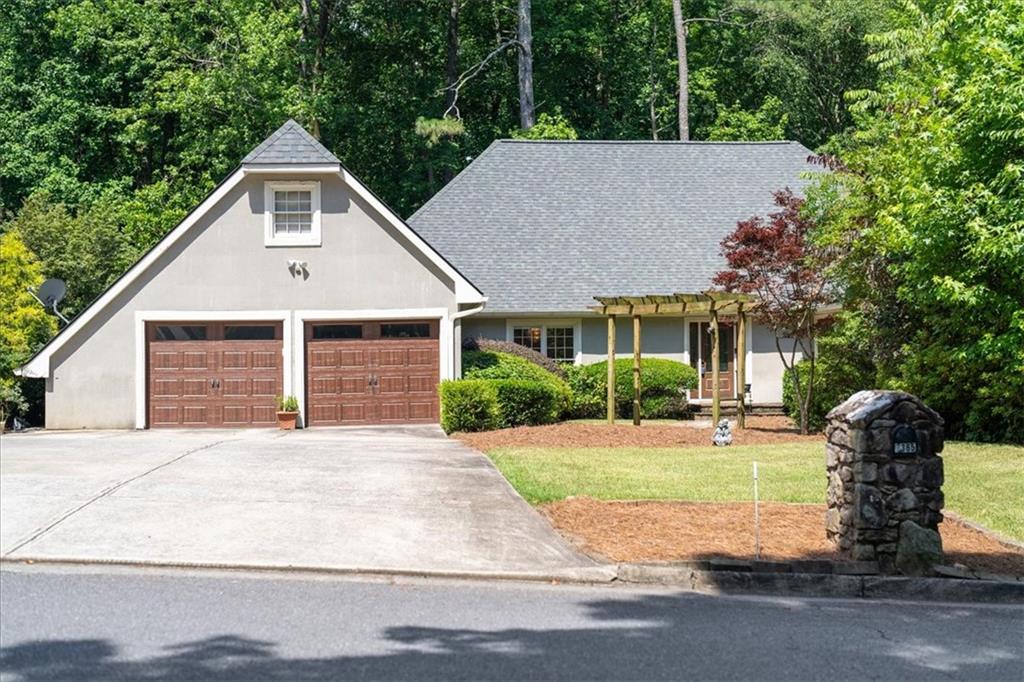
x: 372, y: 372
x: 213, y: 373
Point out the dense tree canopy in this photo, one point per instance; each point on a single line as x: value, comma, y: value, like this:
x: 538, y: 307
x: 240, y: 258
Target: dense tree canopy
x: 117, y: 116
x: 928, y: 206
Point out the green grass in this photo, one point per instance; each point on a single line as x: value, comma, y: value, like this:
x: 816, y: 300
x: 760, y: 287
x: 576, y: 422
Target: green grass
x: 983, y: 482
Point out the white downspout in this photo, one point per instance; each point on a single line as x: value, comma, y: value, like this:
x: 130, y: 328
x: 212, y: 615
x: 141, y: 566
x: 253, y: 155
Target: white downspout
x: 457, y: 345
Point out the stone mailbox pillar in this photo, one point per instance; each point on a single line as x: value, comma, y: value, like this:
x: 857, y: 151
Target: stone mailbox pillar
x: 885, y: 481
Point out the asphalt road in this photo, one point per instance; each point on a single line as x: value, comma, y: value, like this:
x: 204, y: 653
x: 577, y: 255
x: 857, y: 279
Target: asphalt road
x: 70, y: 624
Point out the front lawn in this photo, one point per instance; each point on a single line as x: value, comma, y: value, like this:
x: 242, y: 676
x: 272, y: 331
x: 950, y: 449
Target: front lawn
x: 984, y: 483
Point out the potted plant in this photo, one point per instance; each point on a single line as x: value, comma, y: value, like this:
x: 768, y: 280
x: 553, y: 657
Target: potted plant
x: 287, y: 412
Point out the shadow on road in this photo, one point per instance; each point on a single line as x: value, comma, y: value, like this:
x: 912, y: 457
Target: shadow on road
x: 642, y: 637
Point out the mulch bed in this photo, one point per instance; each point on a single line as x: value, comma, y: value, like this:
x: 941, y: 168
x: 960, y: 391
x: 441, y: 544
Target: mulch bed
x: 678, y: 531
x: 760, y: 430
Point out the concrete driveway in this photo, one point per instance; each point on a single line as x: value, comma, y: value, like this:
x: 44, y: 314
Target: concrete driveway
x: 373, y: 499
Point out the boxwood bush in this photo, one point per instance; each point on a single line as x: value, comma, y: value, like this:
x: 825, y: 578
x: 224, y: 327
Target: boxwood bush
x: 511, y: 348
x: 469, y: 405
x: 483, y: 364
x: 527, y: 403
x: 662, y: 390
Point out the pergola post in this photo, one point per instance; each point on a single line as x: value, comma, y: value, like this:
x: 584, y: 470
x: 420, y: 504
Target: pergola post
x: 611, y: 369
x: 716, y: 391
x: 741, y: 365
x: 636, y: 370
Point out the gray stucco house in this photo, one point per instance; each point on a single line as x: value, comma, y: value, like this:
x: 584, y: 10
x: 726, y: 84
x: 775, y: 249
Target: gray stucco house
x: 542, y: 227
x: 293, y: 278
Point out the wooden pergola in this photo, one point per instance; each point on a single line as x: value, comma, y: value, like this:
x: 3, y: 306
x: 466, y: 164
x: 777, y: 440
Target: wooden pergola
x: 711, y: 303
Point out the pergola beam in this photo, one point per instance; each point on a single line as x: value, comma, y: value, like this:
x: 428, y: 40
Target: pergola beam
x: 611, y: 369
x: 713, y: 303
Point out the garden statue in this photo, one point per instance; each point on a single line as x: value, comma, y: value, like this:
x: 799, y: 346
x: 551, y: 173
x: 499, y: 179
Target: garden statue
x: 723, y: 434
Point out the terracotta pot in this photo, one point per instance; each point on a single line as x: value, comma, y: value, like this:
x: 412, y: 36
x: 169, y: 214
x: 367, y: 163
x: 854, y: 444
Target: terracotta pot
x: 286, y: 420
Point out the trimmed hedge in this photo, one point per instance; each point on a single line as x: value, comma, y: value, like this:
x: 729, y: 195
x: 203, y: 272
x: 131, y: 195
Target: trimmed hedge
x: 468, y: 405
x: 482, y: 364
x: 510, y: 348
x: 527, y: 403
x: 662, y: 390
x: 485, y: 404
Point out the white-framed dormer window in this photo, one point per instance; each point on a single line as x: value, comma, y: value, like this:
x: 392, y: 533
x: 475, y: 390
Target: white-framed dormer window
x: 291, y: 213
x: 557, y: 339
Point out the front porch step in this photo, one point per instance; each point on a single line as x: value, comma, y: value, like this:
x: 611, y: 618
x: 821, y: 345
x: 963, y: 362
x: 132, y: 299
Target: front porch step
x: 729, y: 409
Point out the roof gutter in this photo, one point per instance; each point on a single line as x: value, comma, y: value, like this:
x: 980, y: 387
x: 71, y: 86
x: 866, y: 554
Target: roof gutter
x: 470, y: 311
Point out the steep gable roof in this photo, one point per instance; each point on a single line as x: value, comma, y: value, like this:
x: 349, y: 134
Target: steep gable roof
x: 290, y: 144
x: 544, y: 226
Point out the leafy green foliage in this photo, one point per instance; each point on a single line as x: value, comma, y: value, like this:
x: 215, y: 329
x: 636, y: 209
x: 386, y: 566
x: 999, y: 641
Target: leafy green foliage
x: 736, y: 123
x: 287, y: 403
x: 483, y: 364
x: 662, y: 389
x: 469, y: 405
x: 24, y: 324
x: 548, y: 127
x: 527, y: 403
x: 516, y: 349
x: 928, y: 209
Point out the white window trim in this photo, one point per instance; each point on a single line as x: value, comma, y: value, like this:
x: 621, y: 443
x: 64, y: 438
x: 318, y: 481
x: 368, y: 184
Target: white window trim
x: 544, y: 323
x: 314, y: 236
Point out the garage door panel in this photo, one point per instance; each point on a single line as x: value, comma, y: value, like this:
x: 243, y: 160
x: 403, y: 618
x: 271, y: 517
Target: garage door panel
x: 392, y: 384
x: 207, y: 380
x: 354, y: 385
x: 322, y: 357
x: 422, y: 383
x: 376, y: 378
x: 352, y: 357
x: 266, y: 387
x: 422, y: 357
x: 195, y: 360
x: 195, y: 415
x: 355, y: 413
x: 166, y: 360
x: 265, y: 359
x: 422, y: 410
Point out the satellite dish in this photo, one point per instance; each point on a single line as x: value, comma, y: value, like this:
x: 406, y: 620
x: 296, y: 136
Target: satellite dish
x: 51, y: 292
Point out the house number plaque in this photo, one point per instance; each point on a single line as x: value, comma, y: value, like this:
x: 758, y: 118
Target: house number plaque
x: 904, y: 441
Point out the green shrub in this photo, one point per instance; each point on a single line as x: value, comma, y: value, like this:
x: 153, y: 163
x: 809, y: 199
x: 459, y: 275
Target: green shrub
x: 586, y: 392
x: 516, y: 349
x: 830, y: 389
x: 469, y: 405
x: 662, y: 389
x: 527, y: 403
x: 482, y: 364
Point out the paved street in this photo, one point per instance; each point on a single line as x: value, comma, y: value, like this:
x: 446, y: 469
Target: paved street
x: 384, y: 498
x: 67, y: 624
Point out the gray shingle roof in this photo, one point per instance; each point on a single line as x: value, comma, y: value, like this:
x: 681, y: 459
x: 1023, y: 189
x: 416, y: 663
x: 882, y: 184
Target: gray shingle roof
x: 290, y: 144
x: 546, y: 226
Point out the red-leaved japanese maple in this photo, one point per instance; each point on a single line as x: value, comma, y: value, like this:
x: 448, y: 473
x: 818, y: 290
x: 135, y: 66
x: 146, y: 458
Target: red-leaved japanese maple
x: 774, y: 259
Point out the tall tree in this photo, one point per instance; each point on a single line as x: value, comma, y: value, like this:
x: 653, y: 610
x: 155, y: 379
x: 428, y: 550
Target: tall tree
x: 527, y: 113
x: 776, y: 260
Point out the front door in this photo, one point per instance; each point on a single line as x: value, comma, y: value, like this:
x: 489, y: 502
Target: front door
x: 700, y: 359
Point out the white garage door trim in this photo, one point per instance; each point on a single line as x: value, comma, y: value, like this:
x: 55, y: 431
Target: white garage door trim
x: 144, y: 316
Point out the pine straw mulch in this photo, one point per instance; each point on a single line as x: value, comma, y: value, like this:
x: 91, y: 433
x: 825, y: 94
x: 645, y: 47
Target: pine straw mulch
x: 641, y: 531
x: 760, y: 430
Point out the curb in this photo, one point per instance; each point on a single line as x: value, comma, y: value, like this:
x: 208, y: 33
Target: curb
x: 588, y: 575
x: 695, y: 579
x: 824, y: 584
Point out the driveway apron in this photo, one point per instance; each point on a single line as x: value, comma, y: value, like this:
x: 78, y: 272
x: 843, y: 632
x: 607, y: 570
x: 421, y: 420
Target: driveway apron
x: 364, y: 499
